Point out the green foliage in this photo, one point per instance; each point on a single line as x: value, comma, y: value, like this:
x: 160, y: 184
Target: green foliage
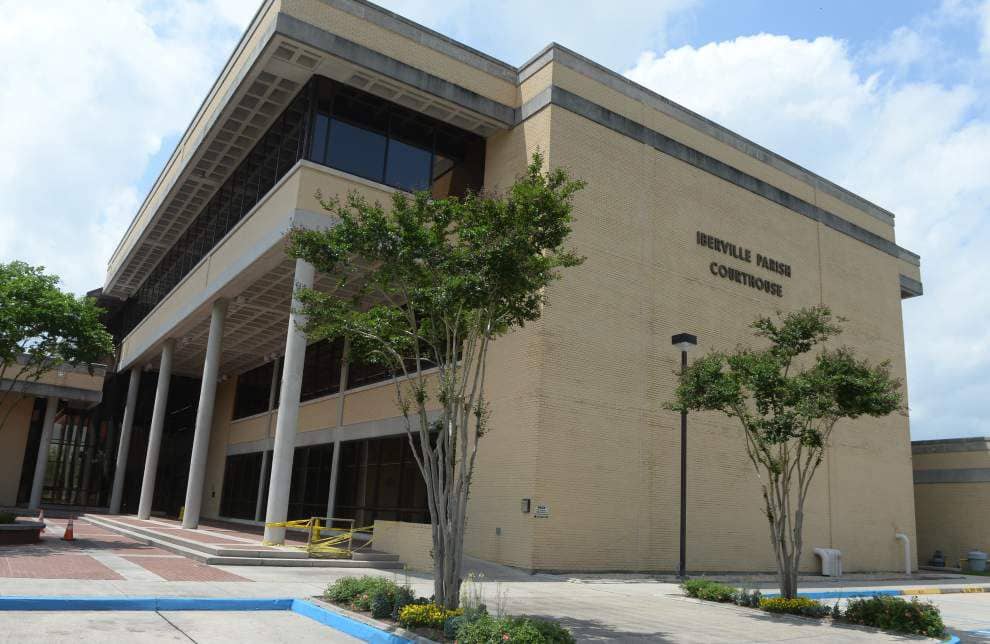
x: 361, y: 593
x: 897, y: 615
x: 748, y: 599
x: 403, y: 597
x: 381, y: 605
x: 452, y: 625
x: 488, y: 630
x: 795, y: 606
x: 7, y: 517
x: 787, y: 403
x: 776, y: 403
x: 709, y: 590
x: 442, y: 266
x: 42, y: 327
x: 836, y: 611
x: 426, y: 615
x: 434, y: 281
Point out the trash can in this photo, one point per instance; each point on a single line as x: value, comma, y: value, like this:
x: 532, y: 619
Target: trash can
x: 977, y: 560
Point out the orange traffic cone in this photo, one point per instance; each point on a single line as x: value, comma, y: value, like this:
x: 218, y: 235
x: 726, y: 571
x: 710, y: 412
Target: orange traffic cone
x: 68, y: 532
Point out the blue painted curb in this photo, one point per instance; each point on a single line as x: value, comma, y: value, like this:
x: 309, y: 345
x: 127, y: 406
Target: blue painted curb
x: 345, y: 624
x: 325, y: 616
x: 839, y: 594
x: 141, y: 603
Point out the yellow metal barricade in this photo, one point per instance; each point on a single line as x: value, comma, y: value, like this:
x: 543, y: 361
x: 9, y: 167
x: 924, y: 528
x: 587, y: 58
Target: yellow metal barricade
x: 339, y: 545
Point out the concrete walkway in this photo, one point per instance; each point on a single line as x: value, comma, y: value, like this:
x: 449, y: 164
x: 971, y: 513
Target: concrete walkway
x: 597, y: 608
x: 167, y: 626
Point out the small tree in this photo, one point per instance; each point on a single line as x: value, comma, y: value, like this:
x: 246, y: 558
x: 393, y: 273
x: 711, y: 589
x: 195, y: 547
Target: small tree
x: 41, y: 328
x: 437, y: 280
x: 787, y: 406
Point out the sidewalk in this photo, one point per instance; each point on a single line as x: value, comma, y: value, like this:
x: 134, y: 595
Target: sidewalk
x: 612, y: 608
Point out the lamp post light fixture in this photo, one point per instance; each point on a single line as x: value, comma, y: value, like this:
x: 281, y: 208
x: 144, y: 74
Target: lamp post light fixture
x: 684, y: 342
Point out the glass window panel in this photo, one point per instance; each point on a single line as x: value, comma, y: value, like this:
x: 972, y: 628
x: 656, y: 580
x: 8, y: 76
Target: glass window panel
x: 408, y: 166
x: 253, y: 390
x: 356, y: 150
x: 319, y: 151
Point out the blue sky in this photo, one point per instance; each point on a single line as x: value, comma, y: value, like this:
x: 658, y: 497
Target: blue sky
x: 890, y: 99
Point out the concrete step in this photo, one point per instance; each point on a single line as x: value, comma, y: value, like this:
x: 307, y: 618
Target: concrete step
x: 235, y: 556
x: 303, y: 563
x: 373, y: 556
x: 209, y: 549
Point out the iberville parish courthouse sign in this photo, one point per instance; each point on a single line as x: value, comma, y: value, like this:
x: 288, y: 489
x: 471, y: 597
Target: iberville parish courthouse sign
x: 744, y: 255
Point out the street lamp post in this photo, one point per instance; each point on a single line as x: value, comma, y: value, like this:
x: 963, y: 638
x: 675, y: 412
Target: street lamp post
x: 684, y: 342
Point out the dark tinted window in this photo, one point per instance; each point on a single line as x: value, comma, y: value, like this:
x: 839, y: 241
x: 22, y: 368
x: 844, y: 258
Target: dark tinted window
x: 408, y: 166
x: 253, y: 390
x: 356, y: 150
x: 370, y: 137
x: 321, y: 369
x: 240, y: 486
x: 309, y: 492
x: 379, y: 479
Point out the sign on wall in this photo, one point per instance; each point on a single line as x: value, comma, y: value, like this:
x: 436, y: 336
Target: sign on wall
x: 743, y: 254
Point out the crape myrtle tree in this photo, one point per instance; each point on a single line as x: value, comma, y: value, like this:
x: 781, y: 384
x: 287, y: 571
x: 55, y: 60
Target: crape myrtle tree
x: 437, y: 280
x: 42, y: 328
x: 787, y: 398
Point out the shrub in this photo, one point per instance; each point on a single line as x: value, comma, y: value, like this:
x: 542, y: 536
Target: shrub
x: 429, y: 615
x: 748, y: 599
x: 897, y: 615
x: 709, y: 590
x: 381, y: 606
x: 452, y: 625
x: 7, y: 517
x: 359, y: 592
x: 797, y: 606
x: 486, y: 629
x: 403, y: 597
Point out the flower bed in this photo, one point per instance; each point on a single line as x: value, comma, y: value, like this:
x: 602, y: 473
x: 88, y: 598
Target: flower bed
x: 888, y: 613
x: 471, y: 624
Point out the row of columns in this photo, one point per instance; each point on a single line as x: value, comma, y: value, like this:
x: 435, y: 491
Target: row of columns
x: 285, y: 423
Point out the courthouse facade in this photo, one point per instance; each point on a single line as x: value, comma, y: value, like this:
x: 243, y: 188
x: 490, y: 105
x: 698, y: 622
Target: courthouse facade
x: 219, y: 405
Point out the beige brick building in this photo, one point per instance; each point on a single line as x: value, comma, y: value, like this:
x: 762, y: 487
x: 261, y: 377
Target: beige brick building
x: 686, y: 226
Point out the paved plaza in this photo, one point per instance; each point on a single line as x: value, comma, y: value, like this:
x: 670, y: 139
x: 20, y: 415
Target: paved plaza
x: 624, y: 608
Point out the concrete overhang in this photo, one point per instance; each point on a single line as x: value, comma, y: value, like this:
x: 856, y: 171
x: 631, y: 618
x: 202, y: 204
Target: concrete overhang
x: 275, y: 57
x: 80, y: 384
x: 250, y: 269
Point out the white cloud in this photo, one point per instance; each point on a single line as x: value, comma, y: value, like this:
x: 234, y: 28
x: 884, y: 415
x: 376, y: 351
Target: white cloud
x: 904, y: 47
x: 88, y: 93
x: 920, y: 149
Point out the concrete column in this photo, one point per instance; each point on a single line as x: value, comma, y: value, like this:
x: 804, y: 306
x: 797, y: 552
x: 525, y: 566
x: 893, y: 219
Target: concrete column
x: 335, y: 462
x: 37, y: 485
x: 334, y: 468
x: 155, y: 433
x: 287, y: 420
x: 124, y: 444
x: 204, y: 416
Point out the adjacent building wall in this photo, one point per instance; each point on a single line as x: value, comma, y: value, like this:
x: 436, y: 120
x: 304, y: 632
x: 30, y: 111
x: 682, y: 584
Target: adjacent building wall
x: 952, y: 497
x: 13, y: 439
